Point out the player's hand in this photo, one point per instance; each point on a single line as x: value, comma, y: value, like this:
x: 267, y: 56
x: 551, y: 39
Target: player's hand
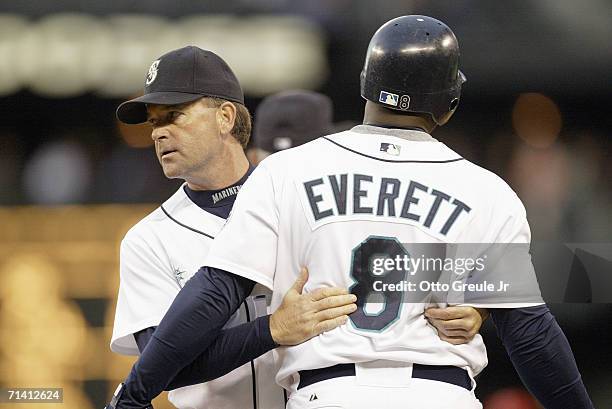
x: 303, y: 316
x: 457, y: 325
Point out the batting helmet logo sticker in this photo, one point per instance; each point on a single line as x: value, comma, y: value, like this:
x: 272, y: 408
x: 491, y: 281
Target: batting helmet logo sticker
x: 152, y: 73
x: 388, y: 98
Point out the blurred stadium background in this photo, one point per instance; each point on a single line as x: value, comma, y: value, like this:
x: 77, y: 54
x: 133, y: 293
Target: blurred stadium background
x: 536, y: 110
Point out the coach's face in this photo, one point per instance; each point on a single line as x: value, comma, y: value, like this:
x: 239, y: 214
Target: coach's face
x: 187, y: 137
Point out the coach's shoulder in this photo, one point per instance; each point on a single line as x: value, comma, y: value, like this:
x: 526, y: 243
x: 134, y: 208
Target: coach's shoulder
x: 143, y: 231
x: 152, y: 224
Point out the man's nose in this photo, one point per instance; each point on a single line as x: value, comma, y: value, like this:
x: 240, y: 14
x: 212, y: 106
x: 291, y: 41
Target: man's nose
x: 159, y: 133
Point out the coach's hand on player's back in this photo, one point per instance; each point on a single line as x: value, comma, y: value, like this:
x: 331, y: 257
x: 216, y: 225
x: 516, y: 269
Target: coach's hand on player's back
x: 303, y: 316
x: 457, y: 325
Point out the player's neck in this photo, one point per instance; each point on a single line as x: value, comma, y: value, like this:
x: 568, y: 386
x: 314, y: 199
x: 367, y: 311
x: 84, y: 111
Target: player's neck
x: 220, y: 173
x: 376, y: 115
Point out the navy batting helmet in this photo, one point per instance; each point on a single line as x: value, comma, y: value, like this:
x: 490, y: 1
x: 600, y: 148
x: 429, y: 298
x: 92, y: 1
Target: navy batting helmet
x: 412, y: 65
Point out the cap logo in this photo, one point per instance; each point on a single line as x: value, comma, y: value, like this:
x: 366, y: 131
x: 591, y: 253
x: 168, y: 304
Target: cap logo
x: 152, y: 74
x: 388, y: 98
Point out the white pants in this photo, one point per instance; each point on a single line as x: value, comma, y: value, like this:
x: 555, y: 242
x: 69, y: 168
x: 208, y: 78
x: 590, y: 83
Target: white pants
x: 382, y: 392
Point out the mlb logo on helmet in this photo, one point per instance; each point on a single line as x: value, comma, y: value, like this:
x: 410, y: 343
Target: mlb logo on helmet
x: 388, y: 98
x: 390, y: 148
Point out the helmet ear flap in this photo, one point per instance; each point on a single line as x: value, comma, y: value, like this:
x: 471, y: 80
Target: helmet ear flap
x: 453, y: 105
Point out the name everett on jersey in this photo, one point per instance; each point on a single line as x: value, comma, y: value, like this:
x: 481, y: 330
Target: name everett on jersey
x: 386, y: 194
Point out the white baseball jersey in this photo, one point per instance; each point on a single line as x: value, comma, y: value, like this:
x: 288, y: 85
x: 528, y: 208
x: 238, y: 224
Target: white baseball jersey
x: 332, y: 203
x: 158, y: 255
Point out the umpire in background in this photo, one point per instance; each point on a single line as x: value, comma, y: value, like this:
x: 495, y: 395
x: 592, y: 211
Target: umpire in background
x: 288, y: 119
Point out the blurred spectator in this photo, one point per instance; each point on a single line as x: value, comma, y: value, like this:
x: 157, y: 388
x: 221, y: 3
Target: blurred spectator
x: 132, y: 175
x: 288, y: 119
x: 536, y: 119
x: 541, y: 178
x: 58, y: 172
x: 563, y: 189
x: 592, y: 198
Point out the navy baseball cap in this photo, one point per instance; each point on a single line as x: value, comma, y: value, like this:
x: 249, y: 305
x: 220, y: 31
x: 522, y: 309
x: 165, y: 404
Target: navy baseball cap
x: 182, y: 76
x: 291, y: 118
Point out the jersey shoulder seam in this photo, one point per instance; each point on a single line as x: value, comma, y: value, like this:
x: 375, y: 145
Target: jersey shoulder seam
x: 169, y: 216
x: 390, y: 160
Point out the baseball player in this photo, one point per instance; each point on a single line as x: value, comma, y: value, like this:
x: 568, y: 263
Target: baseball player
x: 162, y: 251
x: 288, y: 119
x: 291, y: 118
x: 338, y: 205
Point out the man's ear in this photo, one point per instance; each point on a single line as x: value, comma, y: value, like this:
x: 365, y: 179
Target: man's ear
x: 226, y: 117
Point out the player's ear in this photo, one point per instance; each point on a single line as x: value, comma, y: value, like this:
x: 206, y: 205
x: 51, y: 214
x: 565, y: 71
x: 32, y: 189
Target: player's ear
x: 226, y: 117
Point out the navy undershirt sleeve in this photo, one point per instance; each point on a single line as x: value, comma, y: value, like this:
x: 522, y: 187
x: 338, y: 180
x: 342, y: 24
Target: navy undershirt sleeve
x: 142, y: 337
x: 542, y: 356
x: 233, y: 348
x: 192, y: 323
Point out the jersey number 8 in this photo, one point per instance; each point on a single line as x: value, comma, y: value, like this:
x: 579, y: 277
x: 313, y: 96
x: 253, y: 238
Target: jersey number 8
x: 375, y: 250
